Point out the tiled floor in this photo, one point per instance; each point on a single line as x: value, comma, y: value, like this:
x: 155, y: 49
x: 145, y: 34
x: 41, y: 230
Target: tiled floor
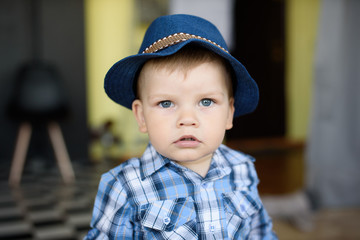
x: 44, y: 208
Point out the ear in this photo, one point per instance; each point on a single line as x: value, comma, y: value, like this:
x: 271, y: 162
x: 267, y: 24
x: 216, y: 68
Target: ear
x: 230, y: 117
x: 137, y: 108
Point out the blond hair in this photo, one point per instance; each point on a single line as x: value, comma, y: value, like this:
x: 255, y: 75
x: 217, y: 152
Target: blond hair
x: 186, y: 59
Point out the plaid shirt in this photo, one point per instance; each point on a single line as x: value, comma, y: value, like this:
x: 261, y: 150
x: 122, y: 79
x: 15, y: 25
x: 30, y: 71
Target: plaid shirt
x: 156, y: 198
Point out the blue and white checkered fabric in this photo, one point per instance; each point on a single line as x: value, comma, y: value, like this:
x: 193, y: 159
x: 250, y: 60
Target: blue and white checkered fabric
x: 155, y: 198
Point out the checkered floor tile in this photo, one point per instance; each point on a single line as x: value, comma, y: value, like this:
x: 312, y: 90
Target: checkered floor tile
x: 42, y: 207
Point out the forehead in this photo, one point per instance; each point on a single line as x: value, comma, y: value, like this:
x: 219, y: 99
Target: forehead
x: 164, y: 70
x: 152, y: 72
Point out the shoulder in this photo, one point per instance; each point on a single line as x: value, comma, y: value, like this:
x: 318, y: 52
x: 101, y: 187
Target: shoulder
x: 243, y: 171
x: 235, y: 157
x: 128, y: 183
x: 114, y: 181
x: 121, y: 172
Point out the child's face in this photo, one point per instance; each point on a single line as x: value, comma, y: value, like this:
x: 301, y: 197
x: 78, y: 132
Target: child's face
x: 185, y: 113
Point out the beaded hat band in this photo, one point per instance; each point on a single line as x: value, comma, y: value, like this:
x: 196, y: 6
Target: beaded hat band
x: 174, y: 39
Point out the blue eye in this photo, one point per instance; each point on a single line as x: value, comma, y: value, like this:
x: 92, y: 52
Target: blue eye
x: 165, y: 104
x: 206, y: 102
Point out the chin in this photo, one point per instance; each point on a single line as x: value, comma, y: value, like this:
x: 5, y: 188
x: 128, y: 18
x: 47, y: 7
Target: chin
x: 191, y: 157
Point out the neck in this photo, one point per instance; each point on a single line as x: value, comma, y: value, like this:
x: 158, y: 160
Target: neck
x: 200, y: 166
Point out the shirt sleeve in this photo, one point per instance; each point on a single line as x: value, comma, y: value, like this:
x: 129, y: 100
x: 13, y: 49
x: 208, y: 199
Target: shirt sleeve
x: 112, y: 213
x: 261, y: 224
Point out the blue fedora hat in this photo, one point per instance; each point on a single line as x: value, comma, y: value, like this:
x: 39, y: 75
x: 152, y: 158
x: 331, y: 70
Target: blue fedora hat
x: 167, y: 35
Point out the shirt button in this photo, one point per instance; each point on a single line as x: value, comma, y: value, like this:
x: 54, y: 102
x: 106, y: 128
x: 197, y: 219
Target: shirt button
x: 212, y: 228
x: 166, y: 220
x: 242, y: 207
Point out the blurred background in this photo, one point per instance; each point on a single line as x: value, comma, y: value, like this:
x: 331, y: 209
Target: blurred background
x: 59, y: 131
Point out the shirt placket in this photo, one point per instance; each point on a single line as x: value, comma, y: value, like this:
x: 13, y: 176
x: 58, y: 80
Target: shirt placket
x: 208, y: 210
x: 211, y: 211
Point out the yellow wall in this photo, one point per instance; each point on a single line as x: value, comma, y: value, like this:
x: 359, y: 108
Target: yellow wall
x: 301, y: 28
x: 111, y: 34
x: 108, y: 26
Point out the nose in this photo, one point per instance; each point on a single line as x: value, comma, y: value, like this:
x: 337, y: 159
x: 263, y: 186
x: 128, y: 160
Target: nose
x: 187, y: 118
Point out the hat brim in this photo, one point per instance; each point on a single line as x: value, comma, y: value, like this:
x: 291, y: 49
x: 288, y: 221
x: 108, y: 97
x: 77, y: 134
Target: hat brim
x: 119, y: 80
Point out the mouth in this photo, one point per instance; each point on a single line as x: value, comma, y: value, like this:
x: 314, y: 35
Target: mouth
x: 187, y: 138
x: 187, y: 141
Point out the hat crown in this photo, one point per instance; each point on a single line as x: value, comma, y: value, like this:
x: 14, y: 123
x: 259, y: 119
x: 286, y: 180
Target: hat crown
x: 166, y: 26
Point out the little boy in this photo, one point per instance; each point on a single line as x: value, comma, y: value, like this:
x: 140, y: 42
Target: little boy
x: 184, y: 89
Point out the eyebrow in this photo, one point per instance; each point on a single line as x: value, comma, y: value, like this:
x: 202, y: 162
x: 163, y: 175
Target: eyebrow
x: 154, y: 96
x: 213, y: 93
x: 203, y: 94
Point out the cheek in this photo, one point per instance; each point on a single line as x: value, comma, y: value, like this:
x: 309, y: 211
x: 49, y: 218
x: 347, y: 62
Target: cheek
x: 159, y: 136
x: 157, y: 126
x: 215, y: 128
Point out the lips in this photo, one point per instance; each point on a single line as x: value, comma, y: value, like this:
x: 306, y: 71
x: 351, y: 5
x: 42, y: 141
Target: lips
x: 187, y: 141
x: 187, y: 138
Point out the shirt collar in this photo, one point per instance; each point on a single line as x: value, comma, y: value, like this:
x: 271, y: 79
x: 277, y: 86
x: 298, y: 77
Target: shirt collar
x: 219, y: 167
x: 152, y: 161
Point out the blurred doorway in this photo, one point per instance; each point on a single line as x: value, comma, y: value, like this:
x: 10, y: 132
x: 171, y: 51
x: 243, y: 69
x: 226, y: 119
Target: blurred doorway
x: 259, y: 34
